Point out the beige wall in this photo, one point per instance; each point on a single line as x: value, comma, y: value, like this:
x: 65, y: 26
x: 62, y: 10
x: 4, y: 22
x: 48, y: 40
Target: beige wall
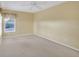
x: 59, y: 23
x: 24, y: 23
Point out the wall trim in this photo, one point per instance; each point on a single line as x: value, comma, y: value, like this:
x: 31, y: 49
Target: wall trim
x: 65, y: 45
x: 43, y: 36
x: 18, y: 35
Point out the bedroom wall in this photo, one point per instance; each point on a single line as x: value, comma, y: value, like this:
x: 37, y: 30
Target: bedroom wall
x: 24, y: 23
x: 59, y: 23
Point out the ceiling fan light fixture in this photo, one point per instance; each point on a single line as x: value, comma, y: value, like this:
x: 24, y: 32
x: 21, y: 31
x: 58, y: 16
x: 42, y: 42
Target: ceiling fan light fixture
x: 34, y: 5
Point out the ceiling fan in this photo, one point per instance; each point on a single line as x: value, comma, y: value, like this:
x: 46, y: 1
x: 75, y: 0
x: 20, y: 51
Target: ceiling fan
x: 34, y: 5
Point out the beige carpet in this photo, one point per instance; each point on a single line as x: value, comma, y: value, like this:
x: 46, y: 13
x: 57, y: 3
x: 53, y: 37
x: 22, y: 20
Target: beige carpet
x: 33, y: 46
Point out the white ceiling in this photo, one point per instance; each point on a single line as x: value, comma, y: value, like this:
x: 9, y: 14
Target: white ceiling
x: 28, y: 6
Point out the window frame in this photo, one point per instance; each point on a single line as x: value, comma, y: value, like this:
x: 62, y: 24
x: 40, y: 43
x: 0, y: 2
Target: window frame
x: 5, y: 24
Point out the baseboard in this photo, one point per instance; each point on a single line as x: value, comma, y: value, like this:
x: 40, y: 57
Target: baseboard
x: 43, y: 36
x: 19, y: 35
x: 68, y: 46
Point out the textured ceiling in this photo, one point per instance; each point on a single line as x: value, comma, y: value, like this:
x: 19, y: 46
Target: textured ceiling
x: 28, y: 6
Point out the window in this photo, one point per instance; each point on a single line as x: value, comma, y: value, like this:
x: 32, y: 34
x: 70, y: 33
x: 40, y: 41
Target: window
x: 9, y: 23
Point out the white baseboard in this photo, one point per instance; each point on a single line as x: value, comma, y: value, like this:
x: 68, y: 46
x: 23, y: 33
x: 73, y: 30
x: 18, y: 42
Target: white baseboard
x: 19, y: 35
x: 71, y: 47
